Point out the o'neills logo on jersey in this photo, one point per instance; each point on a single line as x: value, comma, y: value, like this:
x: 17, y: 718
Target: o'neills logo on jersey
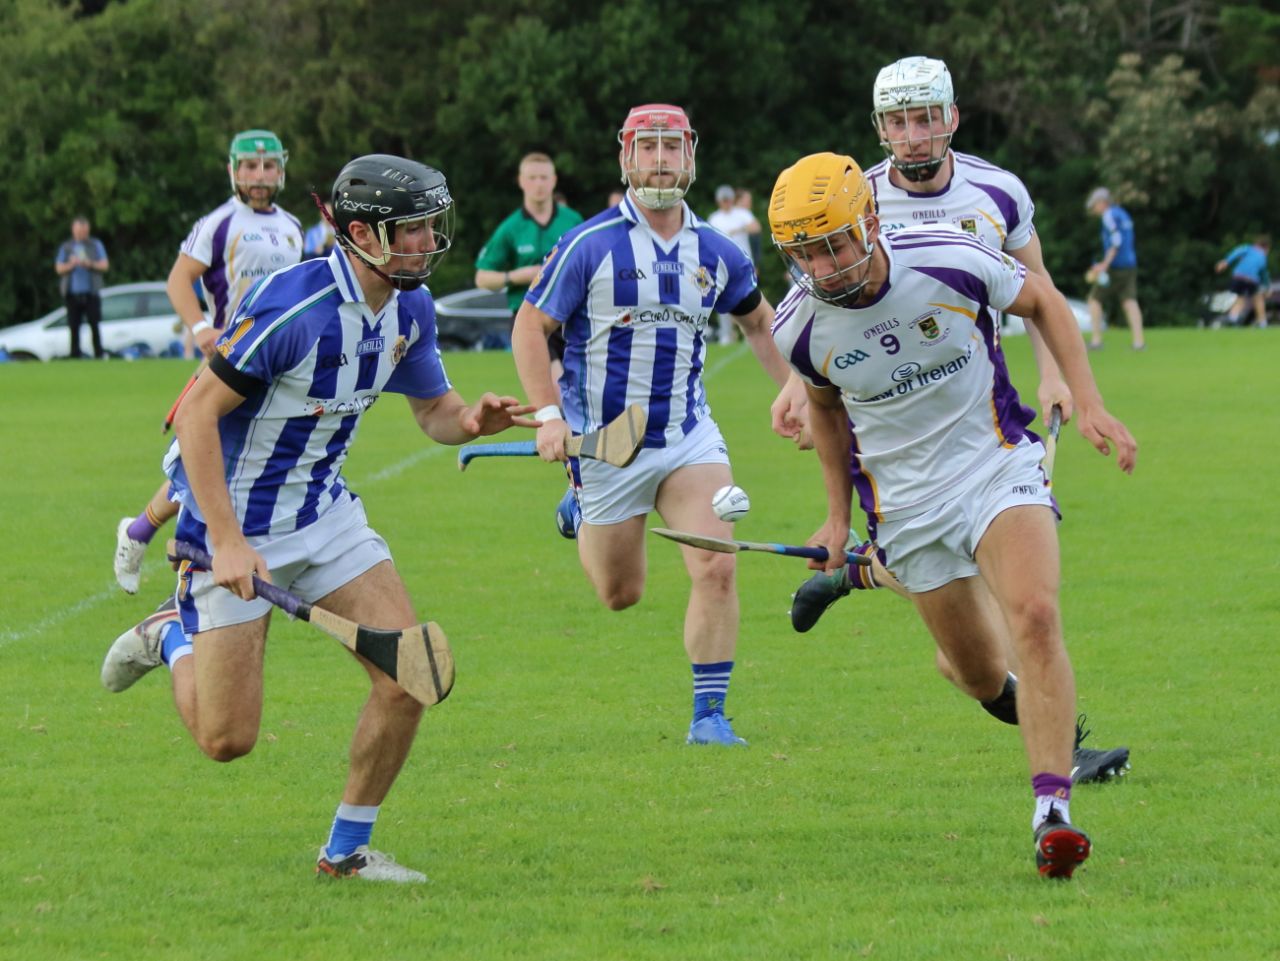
x: 668, y: 267
x: 371, y: 345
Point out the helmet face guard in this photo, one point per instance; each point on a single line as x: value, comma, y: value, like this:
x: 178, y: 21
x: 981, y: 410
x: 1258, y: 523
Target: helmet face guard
x: 657, y: 159
x: 261, y: 145
x: 910, y: 84
x: 818, y: 218
x: 397, y: 199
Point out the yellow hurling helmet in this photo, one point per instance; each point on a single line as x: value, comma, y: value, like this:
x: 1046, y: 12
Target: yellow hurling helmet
x: 815, y: 202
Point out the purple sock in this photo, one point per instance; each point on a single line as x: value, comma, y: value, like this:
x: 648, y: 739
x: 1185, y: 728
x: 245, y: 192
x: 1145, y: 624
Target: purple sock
x: 141, y: 530
x: 1051, y: 785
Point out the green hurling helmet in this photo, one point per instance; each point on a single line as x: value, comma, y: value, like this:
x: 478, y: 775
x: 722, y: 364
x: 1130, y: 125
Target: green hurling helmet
x: 256, y: 143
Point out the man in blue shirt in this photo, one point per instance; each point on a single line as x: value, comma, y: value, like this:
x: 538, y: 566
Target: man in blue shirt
x: 81, y: 262
x: 1115, y: 276
x: 1250, y: 279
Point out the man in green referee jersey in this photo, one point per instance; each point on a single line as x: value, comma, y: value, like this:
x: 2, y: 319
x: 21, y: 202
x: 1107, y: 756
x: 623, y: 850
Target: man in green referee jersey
x: 514, y: 253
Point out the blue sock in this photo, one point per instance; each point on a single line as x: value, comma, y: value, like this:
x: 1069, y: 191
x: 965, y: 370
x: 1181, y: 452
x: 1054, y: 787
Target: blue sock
x: 174, y: 645
x: 710, y: 688
x: 352, y: 827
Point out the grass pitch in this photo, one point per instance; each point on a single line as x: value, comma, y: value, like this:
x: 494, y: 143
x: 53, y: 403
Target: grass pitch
x: 552, y: 799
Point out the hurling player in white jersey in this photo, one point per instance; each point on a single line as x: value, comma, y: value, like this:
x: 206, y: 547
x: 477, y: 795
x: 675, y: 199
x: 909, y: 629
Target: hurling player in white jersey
x: 923, y: 181
x: 264, y: 434
x: 911, y: 407
x: 634, y: 289
x: 227, y: 251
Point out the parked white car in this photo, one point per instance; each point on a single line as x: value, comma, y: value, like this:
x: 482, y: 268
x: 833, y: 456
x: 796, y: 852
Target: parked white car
x: 137, y: 321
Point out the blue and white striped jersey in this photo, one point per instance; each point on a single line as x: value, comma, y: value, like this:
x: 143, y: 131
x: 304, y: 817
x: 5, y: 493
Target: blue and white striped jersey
x: 919, y: 368
x: 310, y: 357
x: 240, y: 246
x: 635, y: 310
x: 981, y: 199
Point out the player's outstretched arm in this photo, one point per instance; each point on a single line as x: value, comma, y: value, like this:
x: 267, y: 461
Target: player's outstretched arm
x: 1053, y: 389
x: 830, y: 426
x: 1041, y: 303
x: 449, y: 419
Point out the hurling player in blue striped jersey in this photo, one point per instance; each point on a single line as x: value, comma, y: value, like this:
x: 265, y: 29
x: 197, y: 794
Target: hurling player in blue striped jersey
x: 263, y: 438
x: 634, y: 289
x: 912, y: 410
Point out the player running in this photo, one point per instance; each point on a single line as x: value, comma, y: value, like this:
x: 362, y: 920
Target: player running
x: 310, y: 350
x: 911, y: 406
x: 228, y: 251
x: 923, y: 181
x: 634, y: 289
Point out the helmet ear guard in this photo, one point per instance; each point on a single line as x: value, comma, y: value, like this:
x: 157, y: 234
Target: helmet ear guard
x: 385, y: 192
x: 816, y: 203
x: 657, y: 121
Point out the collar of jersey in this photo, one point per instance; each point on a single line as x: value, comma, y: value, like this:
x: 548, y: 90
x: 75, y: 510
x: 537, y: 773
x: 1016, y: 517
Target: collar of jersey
x: 345, y: 278
x: 627, y: 209
x: 937, y: 193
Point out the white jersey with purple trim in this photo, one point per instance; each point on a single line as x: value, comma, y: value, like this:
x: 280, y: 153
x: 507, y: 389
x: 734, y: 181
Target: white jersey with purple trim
x: 239, y: 246
x: 635, y: 310
x: 310, y: 357
x: 981, y: 199
x: 918, y: 368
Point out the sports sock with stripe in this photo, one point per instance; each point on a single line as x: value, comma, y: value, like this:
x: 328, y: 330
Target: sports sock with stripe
x: 710, y: 688
x: 174, y: 645
x: 352, y: 827
x: 1053, y: 792
x: 144, y: 527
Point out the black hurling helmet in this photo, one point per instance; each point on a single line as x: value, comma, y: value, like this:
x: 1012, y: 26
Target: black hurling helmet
x: 388, y: 192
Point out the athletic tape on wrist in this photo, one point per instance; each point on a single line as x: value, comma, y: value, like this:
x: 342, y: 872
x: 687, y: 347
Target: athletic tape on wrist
x: 550, y: 412
x: 202, y: 325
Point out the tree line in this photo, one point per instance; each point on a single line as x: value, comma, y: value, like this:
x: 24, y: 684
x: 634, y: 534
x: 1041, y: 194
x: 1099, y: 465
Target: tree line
x: 123, y: 111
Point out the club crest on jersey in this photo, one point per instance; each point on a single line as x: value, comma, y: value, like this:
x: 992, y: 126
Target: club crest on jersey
x: 969, y: 225
x: 228, y: 343
x: 399, y: 350
x: 929, y: 329
x: 702, y: 280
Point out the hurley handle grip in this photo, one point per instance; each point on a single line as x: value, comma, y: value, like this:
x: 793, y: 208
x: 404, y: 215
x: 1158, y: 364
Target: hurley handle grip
x: 291, y: 604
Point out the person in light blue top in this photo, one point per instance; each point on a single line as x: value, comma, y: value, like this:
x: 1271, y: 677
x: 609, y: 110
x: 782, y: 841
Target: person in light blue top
x: 1250, y: 279
x: 80, y: 264
x: 1115, y: 276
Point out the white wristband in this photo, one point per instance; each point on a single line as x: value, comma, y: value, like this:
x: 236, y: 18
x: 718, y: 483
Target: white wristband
x: 550, y: 412
x: 202, y: 325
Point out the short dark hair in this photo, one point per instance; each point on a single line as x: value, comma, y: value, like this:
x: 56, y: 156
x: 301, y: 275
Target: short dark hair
x: 1263, y: 240
x: 80, y: 219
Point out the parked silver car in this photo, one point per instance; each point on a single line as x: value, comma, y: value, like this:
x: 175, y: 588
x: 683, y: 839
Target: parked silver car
x: 475, y: 319
x: 137, y: 321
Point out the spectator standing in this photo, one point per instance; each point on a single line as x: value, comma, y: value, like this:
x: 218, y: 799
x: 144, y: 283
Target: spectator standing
x: 739, y: 225
x: 1250, y: 279
x: 742, y: 197
x: 80, y: 264
x: 1115, y: 276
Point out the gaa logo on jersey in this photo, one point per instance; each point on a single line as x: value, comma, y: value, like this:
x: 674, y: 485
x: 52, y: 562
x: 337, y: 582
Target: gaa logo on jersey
x: 702, y: 280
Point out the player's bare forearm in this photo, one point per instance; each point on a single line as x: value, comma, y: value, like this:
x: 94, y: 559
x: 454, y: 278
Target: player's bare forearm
x: 756, y: 326
x: 449, y: 419
x: 829, y: 425
x: 196, y: 425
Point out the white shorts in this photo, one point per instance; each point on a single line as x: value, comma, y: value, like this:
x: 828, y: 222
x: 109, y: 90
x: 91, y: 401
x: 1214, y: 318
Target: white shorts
x: 611, y: 495
x: 312, y: 562
x: 929, y: 550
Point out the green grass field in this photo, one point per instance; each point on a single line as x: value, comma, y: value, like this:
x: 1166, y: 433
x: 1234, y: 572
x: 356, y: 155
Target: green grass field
x: 552, y: 799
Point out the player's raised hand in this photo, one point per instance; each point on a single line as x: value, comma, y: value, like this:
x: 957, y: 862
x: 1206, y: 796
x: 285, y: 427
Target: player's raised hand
x: 492, y: 414
x: 1102, y: 430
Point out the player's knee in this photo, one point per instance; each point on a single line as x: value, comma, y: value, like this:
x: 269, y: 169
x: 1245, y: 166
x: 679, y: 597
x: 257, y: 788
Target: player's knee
x: 227, y: 747
x: 618, y: 597
x: 394, y: 698
x: 716, y: 573
x: 1036, y: 625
